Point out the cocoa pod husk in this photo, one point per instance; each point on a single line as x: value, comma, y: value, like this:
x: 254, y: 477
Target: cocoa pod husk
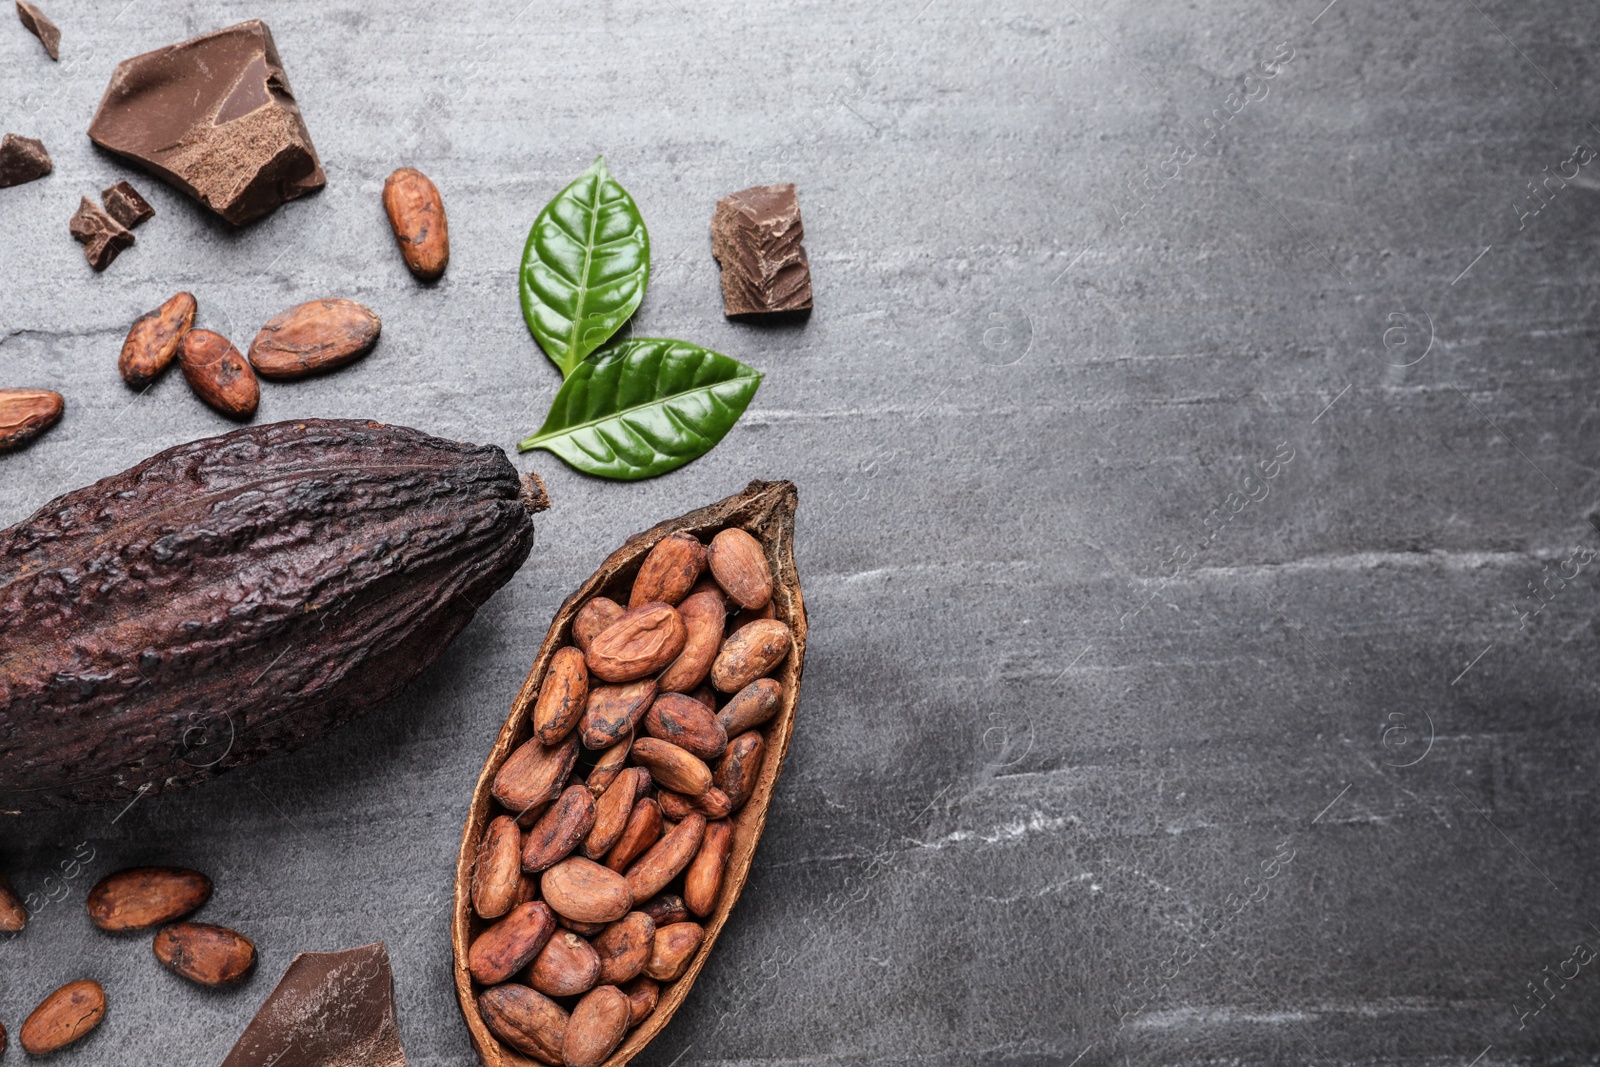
x: 416, y: 214
x: 528, y: 1021
x: 596, y: 1027
x: 314, y: 337
x: 534, y: 775
x: 749, y: 653
x: 563, y: 696
x: 27, y: 413
x: 642, y: 993
x: 704, y: 616
x: 206, y: 954
x: 685, y: 722
x: 703, y: 880
x: 154, y: 339
x: 673, y: 948
x: 138, y: 898
x: 218, y: 374
x: 669, y: 571
x: 497, y: 869
x: 566, y: 967
x: 751, y: 706
x: 584, y: 890
x: 642, y: 830
x: 611, y: 813
x: 651, y: 872
x: 672, y: 767
x: 594, y: 617
x: 739, y: 564
x: 644, y: 640
x: 559, y: 829
x: 740, y: 768
x: 510, y: 944
x: 614, y: 710
x: 624, y: 947
x: 65, y: 1016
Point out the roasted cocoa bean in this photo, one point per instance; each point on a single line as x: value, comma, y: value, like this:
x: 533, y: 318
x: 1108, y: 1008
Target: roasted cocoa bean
x: 640, y: 643
x: 566, y: 966
x: 416, y: 214
x: 750, y: 653
x: 559, y: 829
x: 13, y: 913
x: 218, y: 374
x: 685, y: 722
x: 497, y: 868
x: 510, y: 944
x: 140, y: 897
x: 666, y: 909
x: 751, y: 706
x: 610, y: 764
x: 739, y: 565
x: 153, y: 340
x: 63, y: 1017
x: 593, y: 617
x: 703, y: 880
x: 27, y: 413
x: 672, y: 767
x: 669, y: 571
x: 582, y: 889
x: 673, y: 948
x: 562, y: 697
x: 534, y: 775
x: 581, y: 929
x: 651, y: 872
x: 314, y: 337
x: 528, y: 1021
x: 624, y: 947
x: 642, y: 831
x: 614, y: 710
x: 596, y: 1027
x: 206, y: 954
x: 740, y: 768
x: 703, y: 619
x: 611, y: 813
x: 642, y: 993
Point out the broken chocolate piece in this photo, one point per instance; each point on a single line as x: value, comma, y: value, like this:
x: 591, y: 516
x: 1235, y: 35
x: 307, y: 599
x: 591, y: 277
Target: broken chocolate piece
x: 123, y: 203
x: 756, y: 236
x: 329, y: 1008
x: 215, y: 117
x: 22, y: 159
x: 103, y: 237
x: 40, y: 27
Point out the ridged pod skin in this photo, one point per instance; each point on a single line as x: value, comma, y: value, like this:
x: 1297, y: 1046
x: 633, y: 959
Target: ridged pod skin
x: 239, y: 596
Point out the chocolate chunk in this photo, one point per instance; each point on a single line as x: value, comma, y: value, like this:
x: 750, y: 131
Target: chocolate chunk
x: 40, y: 27
x: 123, y: 203
x: 22, y: 159
x: 330, y: 1009
x: 756, y: 236
x: 103, y: 237
x: 215, y: 117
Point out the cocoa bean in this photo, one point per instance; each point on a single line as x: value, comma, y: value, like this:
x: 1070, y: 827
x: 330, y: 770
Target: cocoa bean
x: 581, y: 929
x: 672, y: 767
x: 751, y: 706
x: 750, y: 653
x: 534, y: 774
x: 666, y: 909
x: 642, y: 831
x: 740, y: 769
x: 641, y: 642
x: 13, y: 913
x: 610, y: 764
x: 642, y: 994
x: 218, y: 374
x: 582, y: 889
x: 497, y: 868
x: 611, y: 813
x: 703, y: 880
x: 153, y: 340
x: 206, y: 954
x: 593, y: 617
x: 613, y: 710
x: 685, y: 722
x: 596, y: 1027
x: 674, y: 947
x: 559, y: 829
x: 566, y: 966
x: 141, y: 897
x: 63, y: 1017
x: 416, y: 214
x: 310, y: 338
x: 510, y: 944
x: 529, y: 1022
x: 703, y: 618
x: 713, y: 804
x: 624, y: 947
x: 669, y: 571
x: 27, y: 413
x: 739, y: 565
x: 562, y: 697
x: 651, y: 872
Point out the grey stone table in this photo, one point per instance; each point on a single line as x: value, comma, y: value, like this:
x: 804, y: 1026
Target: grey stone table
x: 1196, y: 437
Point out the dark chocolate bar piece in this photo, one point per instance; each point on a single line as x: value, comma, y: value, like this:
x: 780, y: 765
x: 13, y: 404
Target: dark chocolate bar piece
x: 40, y: 27
x: 215, y: 117
x: 103, y: 237
x: 22, y: 159
x: 329, y: 1009
x: 123, y: 203
x: 756, y: 236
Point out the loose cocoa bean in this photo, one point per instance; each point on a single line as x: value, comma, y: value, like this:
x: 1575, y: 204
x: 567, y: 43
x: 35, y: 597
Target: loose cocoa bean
x: 624, y: 947
x: 614, y: 710
x: 669, y: 571
x: 642, y: 994
x: 751, y: 706
x: 685, y: 722
x: 206, y: 954
x: 416, y: 214
x: 566, y: 966
x: 63, y: 1017
x: 310, y: 338
x: 596, y: 1027
x: 582, y: 889
x: 218, y: 374
x: 27, y: 413
x: 510, y: 944
x: 640, y: 643
x: 593, y: 617
x: 534, y: 774
x: 562, y: 697
x: 610, y: 764
x: 750, y: 653
x: 13, y: 913
x: 703, y: 880
x: 559, y: 829
x: 497, y: 868
x: 141, y: 897
x: 651, y: 872
x: 703, y: 618
x: 672, y: 950
x: 642, y: 831
x: 672, y: 767
x: 666, y: 909
x: 529, y: 1022
x: 153, y: 340
x: 611, y: 813
x: 740, y: 567
x: 740, y: 769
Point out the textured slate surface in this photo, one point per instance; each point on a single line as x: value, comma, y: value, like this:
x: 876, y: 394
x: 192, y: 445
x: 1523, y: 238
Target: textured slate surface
x: 1069, y: 702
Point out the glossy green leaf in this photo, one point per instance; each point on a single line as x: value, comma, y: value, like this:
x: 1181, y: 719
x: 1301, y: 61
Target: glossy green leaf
x: 584, y: 267
x: 643, y: 407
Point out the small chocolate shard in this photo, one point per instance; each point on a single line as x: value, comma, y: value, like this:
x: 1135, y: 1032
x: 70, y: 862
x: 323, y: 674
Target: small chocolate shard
x: 40, y: 27
x: 22, y: 159
x: 756, y: 236
x: 103, y: 237
x: 215, y: 117
x: 330, y: 1009
x: 123, y: 203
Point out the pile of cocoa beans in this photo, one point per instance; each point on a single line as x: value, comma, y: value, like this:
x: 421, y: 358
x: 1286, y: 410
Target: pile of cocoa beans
x: 644, y: 741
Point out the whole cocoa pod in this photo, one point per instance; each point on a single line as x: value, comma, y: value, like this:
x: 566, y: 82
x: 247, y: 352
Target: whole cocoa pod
x: 237, y: 597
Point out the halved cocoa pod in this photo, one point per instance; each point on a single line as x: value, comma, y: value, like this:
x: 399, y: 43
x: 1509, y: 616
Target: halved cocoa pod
x: 205, y: 954
x: 751, y: 706
x: 766, y: 511
x: 528, y: 1021
x: 624, y: 947
x: 740, y: 768
x: 153, y: 340
x: 140, y: 897
x: 566, y: 967
x: 510, y: 944
x: 703, y: 880
x: 704, y: 616
x: 669, y: 571
x: 611, y: 813
x: 596, y: 1027
x: 687, y: 723
x: 593, y: 617
x: 613, y: 710
x: 63, y: 1017
x: 559, y: 829
x: 497, y: 870
x: 642, y: 830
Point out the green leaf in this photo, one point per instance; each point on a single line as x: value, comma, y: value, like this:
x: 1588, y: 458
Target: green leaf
x: 643, y: 407
x: 584, y: 267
